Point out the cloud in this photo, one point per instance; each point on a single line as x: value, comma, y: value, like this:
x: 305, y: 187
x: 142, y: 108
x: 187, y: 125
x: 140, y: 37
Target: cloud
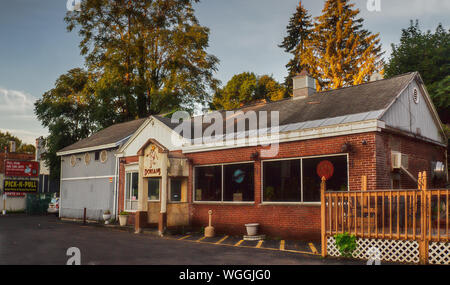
x: 17, y: 115
x: 26, y: 136
x: 16, y: 103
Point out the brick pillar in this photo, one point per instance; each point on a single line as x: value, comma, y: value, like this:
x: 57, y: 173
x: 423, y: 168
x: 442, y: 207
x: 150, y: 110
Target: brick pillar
x: 140, y: 221
x: 162, y: 223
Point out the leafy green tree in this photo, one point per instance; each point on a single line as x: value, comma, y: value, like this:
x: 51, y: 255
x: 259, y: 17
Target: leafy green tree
x: 298, y: 30
x: 429, y: 54
x: 148, y: 56
x: 245, y: 88
x: 66, y: 111
x: 21, y: 147
x: 339, y: 51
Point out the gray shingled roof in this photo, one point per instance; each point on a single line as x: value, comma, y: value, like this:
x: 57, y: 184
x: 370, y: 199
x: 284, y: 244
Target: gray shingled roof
x: 110, y: 135
x: 349, y: 104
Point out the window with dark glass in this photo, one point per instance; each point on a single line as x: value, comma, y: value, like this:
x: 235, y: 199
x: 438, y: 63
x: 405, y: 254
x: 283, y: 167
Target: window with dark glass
x: 175, y: 190
x: 153, y: 189
x: 239, y: 182
x: 281, y: 181
x: 208, y: 183
x: 334, y: 168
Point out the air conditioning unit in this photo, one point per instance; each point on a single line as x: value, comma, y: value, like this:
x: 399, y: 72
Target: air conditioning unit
x: 399, y: 160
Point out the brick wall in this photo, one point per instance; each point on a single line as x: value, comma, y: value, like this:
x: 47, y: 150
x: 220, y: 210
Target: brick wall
x: 420, y: 154
x: 284, y: 221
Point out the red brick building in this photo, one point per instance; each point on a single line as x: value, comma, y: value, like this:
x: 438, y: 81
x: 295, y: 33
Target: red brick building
x: 387, y: 130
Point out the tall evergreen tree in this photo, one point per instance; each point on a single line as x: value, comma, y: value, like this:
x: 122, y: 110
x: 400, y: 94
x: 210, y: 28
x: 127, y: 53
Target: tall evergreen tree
x: 298, y: 31
x: 339, y: 52
x: 429, y: 54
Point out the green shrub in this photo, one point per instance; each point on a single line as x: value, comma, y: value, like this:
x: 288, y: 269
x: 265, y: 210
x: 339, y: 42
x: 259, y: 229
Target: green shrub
x: 346, y: 244
x: 123, y: 213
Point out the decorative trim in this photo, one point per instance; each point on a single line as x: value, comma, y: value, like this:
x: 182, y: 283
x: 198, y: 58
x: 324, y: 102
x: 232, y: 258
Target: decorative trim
x: 87, y: 177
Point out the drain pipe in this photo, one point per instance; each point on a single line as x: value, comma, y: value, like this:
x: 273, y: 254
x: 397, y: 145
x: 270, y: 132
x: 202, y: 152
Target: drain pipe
x: 116, y: 187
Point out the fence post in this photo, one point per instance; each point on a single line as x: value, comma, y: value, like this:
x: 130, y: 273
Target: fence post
x: 322, y: 218
x: 423, y: 244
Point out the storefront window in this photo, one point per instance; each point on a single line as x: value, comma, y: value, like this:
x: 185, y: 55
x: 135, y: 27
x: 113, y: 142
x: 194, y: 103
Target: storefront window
x: 208, y: 183
x: 334, y: 168
x: 175, y: 190
x: 131, y: 191
x: 238, y: 182
x: 281, y: 181
x: 153, y: 189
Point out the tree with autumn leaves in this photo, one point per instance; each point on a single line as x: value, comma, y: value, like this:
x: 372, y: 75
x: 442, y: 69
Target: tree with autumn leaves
x: 335, y: 49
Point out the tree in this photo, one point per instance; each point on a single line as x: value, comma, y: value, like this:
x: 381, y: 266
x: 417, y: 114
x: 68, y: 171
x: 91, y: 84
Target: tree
x: 245, y: 88
x: 66, y: 111
x: 298, y: 31
x: 21, y: 147
x: 429, y: 54
x: 148, y: 56
x: 339, y: 52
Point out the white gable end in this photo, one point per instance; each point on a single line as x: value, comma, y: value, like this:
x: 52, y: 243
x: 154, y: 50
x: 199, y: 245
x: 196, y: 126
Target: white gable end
x: 151, y: 129
x: 414, y: 115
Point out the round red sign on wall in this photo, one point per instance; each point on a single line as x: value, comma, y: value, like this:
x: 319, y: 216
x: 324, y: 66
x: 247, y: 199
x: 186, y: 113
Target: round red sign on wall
x: 325, y: 169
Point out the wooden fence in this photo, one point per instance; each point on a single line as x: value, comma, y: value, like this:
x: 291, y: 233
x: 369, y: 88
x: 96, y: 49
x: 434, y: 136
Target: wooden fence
x: 417, y: 214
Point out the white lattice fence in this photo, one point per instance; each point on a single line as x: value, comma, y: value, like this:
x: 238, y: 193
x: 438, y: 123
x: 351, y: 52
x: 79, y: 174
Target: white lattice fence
x: 384, y: 249
x: 439, y: 252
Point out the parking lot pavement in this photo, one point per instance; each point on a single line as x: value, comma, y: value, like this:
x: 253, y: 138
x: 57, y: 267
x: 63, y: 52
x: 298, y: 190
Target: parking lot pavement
x: 45, y: 240
x: 278, y: 244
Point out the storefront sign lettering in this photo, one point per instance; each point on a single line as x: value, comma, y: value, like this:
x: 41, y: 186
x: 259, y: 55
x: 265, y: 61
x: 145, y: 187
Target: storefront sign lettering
x: 22, y: 168
x: 152, y: 171
x: 24, y: 186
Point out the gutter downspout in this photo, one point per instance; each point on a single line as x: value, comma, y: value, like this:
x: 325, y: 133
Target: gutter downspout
x: 115, y: 190
x: 116, y: 187
x: 60, y: 186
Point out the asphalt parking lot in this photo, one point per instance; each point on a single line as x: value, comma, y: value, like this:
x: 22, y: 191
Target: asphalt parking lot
x: 44, y: 240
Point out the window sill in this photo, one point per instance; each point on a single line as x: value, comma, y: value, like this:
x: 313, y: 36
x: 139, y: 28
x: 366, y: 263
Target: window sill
x: 130, y: 211
x: 223, y: 203
x: 290, y: 203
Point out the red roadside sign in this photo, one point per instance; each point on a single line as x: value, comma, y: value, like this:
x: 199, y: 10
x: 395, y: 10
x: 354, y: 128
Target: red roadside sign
x: 21, y: 168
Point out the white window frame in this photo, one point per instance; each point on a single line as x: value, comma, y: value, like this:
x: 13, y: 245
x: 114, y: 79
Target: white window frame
x: 222, y: 184
x: 130, y: 171
x: 301, y: 177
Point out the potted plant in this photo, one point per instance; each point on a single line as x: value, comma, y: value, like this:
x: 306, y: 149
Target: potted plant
x: 106, y: 216
x: 269, y: 193
x: 123, y: 218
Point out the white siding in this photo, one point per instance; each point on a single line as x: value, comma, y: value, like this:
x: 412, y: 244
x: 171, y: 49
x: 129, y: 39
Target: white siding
x: 408, y: 116
x: 153, y: 130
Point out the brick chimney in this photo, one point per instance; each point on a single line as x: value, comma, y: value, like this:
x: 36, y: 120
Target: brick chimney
x: 304, y: 85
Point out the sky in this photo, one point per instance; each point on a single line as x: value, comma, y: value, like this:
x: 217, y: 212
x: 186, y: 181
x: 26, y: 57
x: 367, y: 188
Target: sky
x: 35, y: 47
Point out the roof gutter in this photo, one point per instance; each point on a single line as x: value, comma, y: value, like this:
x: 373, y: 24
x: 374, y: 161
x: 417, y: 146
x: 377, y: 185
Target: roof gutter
x: 87, y: 149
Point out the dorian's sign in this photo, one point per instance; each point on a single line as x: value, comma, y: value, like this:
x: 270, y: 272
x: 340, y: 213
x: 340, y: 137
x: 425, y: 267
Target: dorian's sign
x: 24, y: 186
x: 152, y: 161
x: 22, y: 168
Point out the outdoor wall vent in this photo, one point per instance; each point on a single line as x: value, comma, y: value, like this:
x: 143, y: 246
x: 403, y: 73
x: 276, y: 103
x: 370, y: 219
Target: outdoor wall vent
x: 416, y: 96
